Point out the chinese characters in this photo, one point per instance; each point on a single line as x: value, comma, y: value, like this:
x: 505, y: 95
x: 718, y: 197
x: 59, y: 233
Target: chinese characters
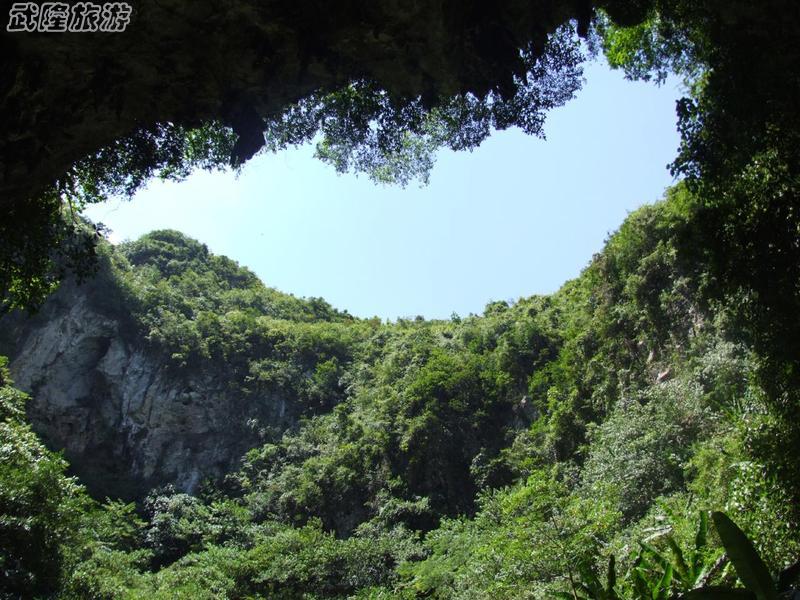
x: 54, y: 17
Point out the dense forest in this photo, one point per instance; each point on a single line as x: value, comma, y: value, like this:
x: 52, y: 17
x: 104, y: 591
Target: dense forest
x: 510, y: 454
x: 633, y: 435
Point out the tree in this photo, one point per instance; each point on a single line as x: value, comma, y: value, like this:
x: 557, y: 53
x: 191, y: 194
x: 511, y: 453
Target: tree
x: 40, y: 507
x: 739, y: 140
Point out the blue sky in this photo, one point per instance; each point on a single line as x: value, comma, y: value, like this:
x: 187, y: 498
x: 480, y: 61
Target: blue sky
x: 516, y: 217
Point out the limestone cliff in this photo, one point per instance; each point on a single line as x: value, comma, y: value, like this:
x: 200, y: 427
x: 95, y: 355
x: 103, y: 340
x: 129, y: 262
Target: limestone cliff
x: 125, y: 419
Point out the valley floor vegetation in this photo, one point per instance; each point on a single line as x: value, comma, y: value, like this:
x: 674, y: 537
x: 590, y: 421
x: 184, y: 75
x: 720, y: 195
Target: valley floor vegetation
x: 571, y: 445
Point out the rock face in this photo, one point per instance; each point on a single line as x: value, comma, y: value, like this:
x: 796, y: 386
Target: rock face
x: 125, y: 420
x: 64, y: 96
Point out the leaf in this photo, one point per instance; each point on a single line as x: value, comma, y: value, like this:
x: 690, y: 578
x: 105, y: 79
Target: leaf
x: 590, y: 584
x: 661, y: 592
x: 680, y: 564
x: 612, y: 576
x: 640, y: 583
x: 748, y: 564
x: 702, y: 532
x: 654, y: 554
x: 700, y: 542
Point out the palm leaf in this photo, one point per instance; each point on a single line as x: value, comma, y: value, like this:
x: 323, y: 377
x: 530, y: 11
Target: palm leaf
x: 661, y: 591
x: 748, y: 564
x: 611, y: 577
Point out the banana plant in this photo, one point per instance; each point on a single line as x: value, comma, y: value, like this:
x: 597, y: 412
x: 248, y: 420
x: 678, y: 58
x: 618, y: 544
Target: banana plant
x: 591, y: 588
x: 655, y: 573
x: 750, y: 568
x: 651, y: 580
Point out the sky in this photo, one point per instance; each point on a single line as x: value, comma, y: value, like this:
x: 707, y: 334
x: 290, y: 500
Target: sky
x: 518, y: 216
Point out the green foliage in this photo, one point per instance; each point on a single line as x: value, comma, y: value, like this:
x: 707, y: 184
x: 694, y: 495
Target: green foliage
x: 738, y: 153
x: 748, y: 564
x: 680, y: 574
x: 115, y: 525
x: 524, y: 542
x: 167, y: 151
x: 41, y: 242
x: 645, y: 444
x: 308, y: 560
x: 514, y: 454
x: 108, y: 575
x: 40, y: 507
x: 727, y: 475
x: 394, y: 139
x: 43, y: 239
x: 651, y: 50
x: 178, y: 525
x: 591, y: 588
x: 530, y: 445
x: 657, y: 573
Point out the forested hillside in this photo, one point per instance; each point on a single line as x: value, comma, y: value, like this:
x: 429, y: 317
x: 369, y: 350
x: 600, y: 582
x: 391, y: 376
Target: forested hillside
x: 169, y: 364
x: 634, y: 435
x: 504, y: 455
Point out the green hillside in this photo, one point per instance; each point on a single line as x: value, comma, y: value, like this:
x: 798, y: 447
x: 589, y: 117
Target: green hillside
x: 503, y: 455
x: 633, y: 436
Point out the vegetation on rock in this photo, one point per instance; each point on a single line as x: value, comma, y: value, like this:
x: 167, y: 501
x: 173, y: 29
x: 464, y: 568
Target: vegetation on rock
x: 509, y: 454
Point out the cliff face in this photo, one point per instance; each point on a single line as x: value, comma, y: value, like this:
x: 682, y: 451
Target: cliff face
x: 125, y: 420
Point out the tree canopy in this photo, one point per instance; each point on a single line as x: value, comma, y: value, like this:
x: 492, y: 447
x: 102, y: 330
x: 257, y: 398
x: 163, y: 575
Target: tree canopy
x: 513, y: 454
